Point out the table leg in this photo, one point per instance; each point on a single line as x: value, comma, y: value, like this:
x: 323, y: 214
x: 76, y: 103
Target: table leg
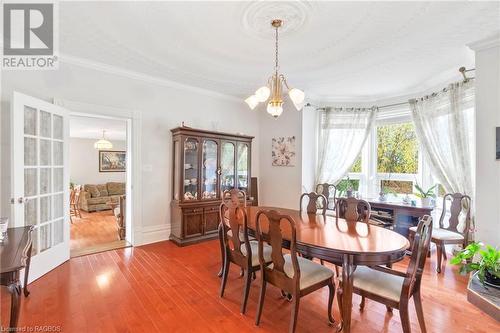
x: 15, y: 293
x: 348, y: 269
x: 27, y: 271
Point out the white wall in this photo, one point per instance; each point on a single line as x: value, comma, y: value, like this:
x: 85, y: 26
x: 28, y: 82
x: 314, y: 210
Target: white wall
x: 280, y: 186
x: 84, y: 162
x: 487, y: 118
x: 162, y: 106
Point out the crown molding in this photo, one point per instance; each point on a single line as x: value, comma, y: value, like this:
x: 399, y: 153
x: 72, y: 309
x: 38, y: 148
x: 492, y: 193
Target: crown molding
x: 115, y: 70
x: 486, y: 43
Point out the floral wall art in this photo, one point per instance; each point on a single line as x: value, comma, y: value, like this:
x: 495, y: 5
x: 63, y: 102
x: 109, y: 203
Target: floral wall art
x: 283, y: 151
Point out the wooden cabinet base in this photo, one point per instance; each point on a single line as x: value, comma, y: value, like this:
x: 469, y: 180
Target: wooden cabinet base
x: 192, y: 240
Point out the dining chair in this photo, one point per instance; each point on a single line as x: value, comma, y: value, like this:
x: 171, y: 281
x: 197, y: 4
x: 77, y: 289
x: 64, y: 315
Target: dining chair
x: 456, y: 231
x: 238, y: 249
x: 352, y: 209
x: 330, y: 192
x: 292, y: 274
x: 237, y: 196
x: 395, y: 288
x: 315, y: 202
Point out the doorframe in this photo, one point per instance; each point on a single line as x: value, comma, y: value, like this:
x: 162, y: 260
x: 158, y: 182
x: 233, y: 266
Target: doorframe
x: 133, y: 233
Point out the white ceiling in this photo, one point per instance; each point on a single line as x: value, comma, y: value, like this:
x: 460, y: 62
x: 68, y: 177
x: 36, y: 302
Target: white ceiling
x: 332, y: 50
x: 91, y: 128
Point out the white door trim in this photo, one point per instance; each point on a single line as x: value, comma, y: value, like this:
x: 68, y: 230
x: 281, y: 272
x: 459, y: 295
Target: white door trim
x: 134, y: 177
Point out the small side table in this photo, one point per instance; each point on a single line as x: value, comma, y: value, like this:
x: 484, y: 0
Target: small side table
x: 112, y: 205
x: 15, y: 254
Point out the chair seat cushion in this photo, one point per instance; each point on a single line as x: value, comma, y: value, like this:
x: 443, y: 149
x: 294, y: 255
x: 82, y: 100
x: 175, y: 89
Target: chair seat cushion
x: 443, y: 234
x: 254, y: 246
x: 378, y: 283
x: 310, y: 272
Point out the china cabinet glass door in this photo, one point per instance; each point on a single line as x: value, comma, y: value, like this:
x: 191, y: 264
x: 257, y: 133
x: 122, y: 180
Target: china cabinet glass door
x: 191, y: 169
x: 243, y: 167
x: 227, y: 166
x: 209, y: 158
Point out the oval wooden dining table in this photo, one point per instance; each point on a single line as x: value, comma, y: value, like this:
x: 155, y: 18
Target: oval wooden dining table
x: 343, y: 243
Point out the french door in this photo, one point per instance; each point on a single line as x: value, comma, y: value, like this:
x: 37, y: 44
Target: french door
x: 40, y: 179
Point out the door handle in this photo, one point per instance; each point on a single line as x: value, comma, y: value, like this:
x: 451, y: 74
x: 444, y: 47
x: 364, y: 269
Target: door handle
x: 22, y: 200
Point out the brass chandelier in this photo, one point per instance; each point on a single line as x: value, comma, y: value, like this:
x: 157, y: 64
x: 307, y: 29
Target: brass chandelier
x: 273, y: 91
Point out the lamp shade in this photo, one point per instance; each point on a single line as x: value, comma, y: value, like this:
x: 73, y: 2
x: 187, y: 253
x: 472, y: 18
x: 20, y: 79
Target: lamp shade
x: 103, y: 144
x: 275, y: 109
x: 297, y: 96
x: 252, y: 101
x: 263, y: 93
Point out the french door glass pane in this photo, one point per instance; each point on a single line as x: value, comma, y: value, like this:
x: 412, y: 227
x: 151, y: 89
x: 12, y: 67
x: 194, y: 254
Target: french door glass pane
x: 45, y: 236
x: 45, y: 209
x: 243, y: 167
x: 58, y: 153
x: 30, y: 211
x: 45, y: 124
x: 209, y: 170
x: 58, y: 127
x: 58, y: 179
x: 44, y: 152
x: 44, y: 180
x: 30, y: 123
x: 30, y: 182
x: 58, y: 231
x: 227, y: 166
x: 30, y: 152
x: 58, y: 206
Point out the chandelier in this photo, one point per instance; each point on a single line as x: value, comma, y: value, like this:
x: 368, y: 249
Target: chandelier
x: 273, y: 91
x: 103, y: 144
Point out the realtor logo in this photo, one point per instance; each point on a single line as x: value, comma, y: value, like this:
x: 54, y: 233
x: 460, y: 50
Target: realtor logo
x: 29, y: 36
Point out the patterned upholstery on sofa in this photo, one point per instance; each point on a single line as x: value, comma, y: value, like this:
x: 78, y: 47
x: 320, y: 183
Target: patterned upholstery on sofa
x: 95, y: 197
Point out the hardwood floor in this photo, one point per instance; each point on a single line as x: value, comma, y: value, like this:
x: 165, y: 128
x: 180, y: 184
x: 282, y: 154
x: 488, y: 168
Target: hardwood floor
x: 164, y: 288
x: 94, y: 232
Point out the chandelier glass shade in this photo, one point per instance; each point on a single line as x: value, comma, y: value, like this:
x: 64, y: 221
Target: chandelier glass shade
x: 273, y: 91
x: 103, y: 144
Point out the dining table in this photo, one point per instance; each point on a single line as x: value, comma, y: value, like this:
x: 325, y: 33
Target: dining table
x: 343, y: 243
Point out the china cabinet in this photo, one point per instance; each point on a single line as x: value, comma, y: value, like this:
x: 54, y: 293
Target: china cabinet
x: 205, y: 164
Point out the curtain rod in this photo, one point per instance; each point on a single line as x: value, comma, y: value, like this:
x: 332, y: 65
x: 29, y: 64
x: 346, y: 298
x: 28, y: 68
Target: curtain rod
x: 462, y: 70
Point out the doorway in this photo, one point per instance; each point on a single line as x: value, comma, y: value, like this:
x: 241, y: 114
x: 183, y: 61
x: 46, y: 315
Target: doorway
x: 98, y: 150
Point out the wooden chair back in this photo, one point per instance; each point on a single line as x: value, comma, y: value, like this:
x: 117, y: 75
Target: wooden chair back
x: 330, y: 192
x: 353, y: 210
x: 72, y: 194
x: 235, y: 195
x: 275, y: 223
x: 316, y: 201
x: 459, y: 209
x: 234, y: 223
x: 419, y: 251
x: 122, y: 218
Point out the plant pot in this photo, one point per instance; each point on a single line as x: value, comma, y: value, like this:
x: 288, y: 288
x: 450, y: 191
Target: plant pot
x: 426, y: 202
x: 491, y: 280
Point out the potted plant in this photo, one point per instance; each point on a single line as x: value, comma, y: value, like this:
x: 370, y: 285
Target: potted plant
x: 425, y: 196
x: 487, y: 268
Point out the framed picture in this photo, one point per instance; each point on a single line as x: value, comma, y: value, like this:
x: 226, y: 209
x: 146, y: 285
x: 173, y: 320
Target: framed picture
x: 112, y: 161
x: 283, y: 151
x: 498, y: 143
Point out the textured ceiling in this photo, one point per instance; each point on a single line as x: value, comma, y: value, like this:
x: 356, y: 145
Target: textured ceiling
x: 91, y: 128
x: 332, y: 50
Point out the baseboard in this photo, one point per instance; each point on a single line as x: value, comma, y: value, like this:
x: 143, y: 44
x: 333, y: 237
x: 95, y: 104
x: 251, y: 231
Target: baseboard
x: 155, y: 233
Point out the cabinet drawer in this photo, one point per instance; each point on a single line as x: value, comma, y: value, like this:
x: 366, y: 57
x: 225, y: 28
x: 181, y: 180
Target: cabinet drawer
x: 192, y: 210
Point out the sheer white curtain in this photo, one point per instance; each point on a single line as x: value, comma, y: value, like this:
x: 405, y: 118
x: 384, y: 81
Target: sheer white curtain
x: 341, y: 136
x: 444, y: 123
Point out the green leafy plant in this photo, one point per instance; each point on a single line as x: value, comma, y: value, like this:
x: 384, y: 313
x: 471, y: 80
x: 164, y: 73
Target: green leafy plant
x: 424, y: 194
x: 487, y: 267
x: 346, y: 185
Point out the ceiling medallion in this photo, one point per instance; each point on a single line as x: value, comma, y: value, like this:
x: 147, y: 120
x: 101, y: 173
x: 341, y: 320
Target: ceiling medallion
x: 258, y: 14
x: 273, y: 91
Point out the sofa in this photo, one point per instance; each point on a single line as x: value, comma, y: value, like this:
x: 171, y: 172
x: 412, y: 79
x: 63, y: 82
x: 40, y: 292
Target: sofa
x: 95, y: 197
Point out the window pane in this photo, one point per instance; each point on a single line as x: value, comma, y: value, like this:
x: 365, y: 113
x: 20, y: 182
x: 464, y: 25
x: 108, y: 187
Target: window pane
x: 356, y: 167
x: 397, y: 150
x: 346, y: 184
x: 397, y: 186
